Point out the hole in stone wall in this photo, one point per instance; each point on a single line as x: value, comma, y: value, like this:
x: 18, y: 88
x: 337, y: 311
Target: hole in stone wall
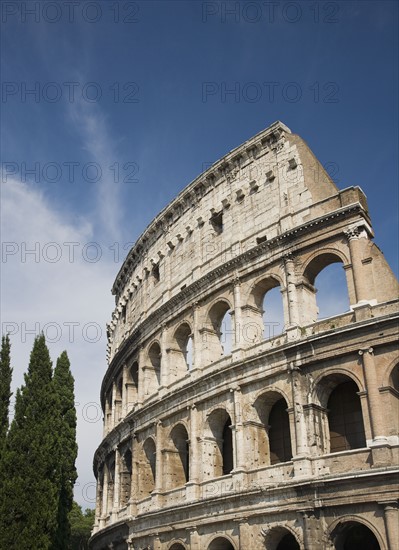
x: 216, y: 221
x: 155, y: 273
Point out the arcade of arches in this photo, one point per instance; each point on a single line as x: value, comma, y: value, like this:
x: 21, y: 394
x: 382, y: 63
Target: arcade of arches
x: 251, y: 400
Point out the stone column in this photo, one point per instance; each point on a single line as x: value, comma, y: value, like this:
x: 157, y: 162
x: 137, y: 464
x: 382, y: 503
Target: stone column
x: 158, y: 457
x: 194, y: 445
x: 141, y: 377
x: 238, y: 328
x: 125, y: 378
x: 313, y: 531
x: 391, y: 519
x: 115, y: 506
x: 240, y: 462
x: 98, y: 501
x: 157, y: 545
x: 246, y: 541
x: 373, y: 395
x: 358, y: 238
x: 301, y: 440
x: 292, y: 297
x: 113, y: 401
x: 192, y: 486
x: 233, y: 428
x: 134, y: 485
x: 197, y: 356
x: 104, y: 509
x: 195, y: 538
x: 106, y: 416
x: 301, y: 457
x: 164, y: 375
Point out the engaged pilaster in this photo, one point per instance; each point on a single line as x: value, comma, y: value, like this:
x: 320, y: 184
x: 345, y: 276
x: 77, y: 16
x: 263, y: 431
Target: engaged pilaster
x: 358, y: 237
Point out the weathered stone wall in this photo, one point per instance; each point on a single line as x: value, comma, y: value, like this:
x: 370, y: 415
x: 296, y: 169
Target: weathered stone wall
x: 221, y: 432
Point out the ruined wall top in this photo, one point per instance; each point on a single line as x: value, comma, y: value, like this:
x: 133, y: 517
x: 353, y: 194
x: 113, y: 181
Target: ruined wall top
x: 255, y: 195
x: 240, y: 167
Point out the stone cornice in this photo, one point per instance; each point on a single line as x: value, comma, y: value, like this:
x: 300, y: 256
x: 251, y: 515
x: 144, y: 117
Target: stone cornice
x: 219, y: 171
x: 290, y: 350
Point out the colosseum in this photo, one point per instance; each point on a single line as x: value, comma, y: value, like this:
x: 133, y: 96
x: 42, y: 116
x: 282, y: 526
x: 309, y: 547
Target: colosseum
x: 222, y: 429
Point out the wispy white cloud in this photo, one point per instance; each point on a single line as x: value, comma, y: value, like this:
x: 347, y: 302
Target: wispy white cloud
x: 50, y: 284
x: 90, y: 125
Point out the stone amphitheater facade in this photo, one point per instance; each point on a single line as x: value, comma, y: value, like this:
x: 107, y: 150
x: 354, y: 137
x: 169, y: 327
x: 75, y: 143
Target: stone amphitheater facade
x: 277, y: 440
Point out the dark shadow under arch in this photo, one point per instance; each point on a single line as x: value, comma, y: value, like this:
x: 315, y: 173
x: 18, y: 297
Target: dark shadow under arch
x: 281, y: 538
x: 353, y: 535
x: 288, y: 542
x: 220, y: 425
x: 279, y: 433
x: 220, y: 543
x: 345, y: 418
x: 179, y: 437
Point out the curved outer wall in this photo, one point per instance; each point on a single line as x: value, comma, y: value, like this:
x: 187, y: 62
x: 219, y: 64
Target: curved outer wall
x: 234, y: 434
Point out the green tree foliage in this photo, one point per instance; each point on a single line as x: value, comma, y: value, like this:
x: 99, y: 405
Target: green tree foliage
x: 81, y: 526
x: 38, y: 458
x: 67, y: 448
x: 5, y: 385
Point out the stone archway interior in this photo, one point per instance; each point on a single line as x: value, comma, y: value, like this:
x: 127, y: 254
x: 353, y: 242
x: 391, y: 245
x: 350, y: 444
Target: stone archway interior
x: 288, y: 542
x: 221, y: 544
x: 356, y: 536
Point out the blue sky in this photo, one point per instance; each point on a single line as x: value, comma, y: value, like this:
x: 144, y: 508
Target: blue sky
x: 152, y: 92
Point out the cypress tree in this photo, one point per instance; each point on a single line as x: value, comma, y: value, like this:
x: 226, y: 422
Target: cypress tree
x: 63, y: 383
x: 29, y: 499
x: 5, y: 385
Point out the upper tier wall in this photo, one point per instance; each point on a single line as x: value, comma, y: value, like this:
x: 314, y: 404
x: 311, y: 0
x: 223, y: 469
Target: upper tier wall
x: 267, y: 186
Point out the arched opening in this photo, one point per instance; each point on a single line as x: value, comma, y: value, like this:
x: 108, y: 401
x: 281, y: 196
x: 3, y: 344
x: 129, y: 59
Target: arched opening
x: 177, y: 546
x: 391, y: 401
x: 353, y: 535
x: 273, y: 313
x: 332, y: 291
x: 100, y: 490
x: 190, y: 352
x: 227, y: 447
x: 263, y: 315
x: 325, y: 277
x: 217, y: 335
x: 108, y: 411
x: 180, y: 358
x: 226, y: 333
x: 280, y: 538
x: 394, y: 378
x: 125, y: 476
x: 147, y: 474
x: 345, y: 418
x: 111, y: 482
x: 279, y: 433
x: 132, y: 385
x: 220, y: 543
x: 153, y: 371
x: 178, y: 459
x: 219, y: 446
x: 288, y: 542
x: 270, y: 431
x: 118, y: 400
